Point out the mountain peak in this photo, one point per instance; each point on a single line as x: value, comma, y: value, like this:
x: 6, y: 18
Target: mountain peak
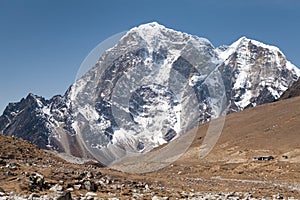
x: 246, y: 41
x: 243, y: 38
x: 240, y: 42
x: 135, y: 97
x: 156, y: 35
x: 149, y: 27
x: 153, y: 24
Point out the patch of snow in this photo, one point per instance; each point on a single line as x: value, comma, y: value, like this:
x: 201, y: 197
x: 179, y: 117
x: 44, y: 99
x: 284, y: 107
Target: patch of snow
x: 40, y: 104
x: 292, y: 67
x: 46, y: 110
x: 265, y: 46
x: 104, y: 123
x: 75, y: 127
x: 195, y: 79
x: 224, y: 55
x: 241, y: 80
x: 76, y: 88
x: 245, y: 99
x: 274, y: 92
x: 122, y: 136
x: 89, y: 112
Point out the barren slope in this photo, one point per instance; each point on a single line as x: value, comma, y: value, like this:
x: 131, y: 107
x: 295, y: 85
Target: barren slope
x: 271, y: 129
x: 267, y: 130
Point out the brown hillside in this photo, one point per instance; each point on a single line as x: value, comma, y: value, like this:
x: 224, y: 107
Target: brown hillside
x: 267, y: 130
x: 293, y: 91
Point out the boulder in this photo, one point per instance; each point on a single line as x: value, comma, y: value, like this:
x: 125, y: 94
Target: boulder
x: 65, y: 196
x: 57, y: 188
x: 89, y: 185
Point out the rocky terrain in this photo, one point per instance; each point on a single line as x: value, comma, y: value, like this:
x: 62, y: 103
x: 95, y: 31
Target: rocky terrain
x: 230, y: 171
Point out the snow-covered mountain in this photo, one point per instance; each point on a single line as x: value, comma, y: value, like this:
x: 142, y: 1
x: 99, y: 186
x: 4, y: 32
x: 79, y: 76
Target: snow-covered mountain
x: 152, y: 86
x: 254, y: 73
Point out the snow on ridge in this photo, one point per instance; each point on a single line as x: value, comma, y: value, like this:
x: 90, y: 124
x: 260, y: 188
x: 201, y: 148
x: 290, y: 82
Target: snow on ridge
x: 292, y: 67
x: 275, y: 50
x: 243, y: 41
x: 266, y: 46
x: 76, y: 88
x: 150, y: 25
x: 153, y: 31
x: 224, y: 55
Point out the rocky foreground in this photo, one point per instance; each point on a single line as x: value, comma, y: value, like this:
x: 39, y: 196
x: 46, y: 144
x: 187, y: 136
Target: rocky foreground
x: 228, y: 172
x: 31, y: 173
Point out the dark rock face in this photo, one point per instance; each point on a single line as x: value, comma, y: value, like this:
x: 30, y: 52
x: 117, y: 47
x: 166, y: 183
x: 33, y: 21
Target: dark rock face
x: 24, y: 120
x: 170, y: 135
x: 293, y: 91
x: 180, y: 79
x: 65, y: 196
x: 29, y: 120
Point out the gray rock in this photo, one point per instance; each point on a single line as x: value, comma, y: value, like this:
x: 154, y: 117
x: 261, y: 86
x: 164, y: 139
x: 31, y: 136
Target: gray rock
x: 101, y: 183
x: 90, y: 195
x: 147, y: 188
x: 159, y: 198
x: 33, y: 196
x: 57, y: 188
x: 65, y: 196
x: 137, y: 196
x: 9, y: 173
x: 77, y: 187
x: 184, y: 194
x: 70, y: 189
x: 89, y: 175
x: 114, y: 187
x: 89, y: 185
x: 37, y: 181
x: 12, y: 166
x: 279, y: 196
x: 2, y: 162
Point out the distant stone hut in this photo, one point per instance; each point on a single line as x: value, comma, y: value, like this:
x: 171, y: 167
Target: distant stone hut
x: 263, y: 158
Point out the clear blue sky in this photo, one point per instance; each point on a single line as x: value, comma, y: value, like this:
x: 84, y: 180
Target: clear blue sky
x: 43, y: 42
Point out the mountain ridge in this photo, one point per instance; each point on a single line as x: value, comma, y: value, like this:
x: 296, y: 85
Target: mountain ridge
x: 100, y: 116
x: 229, y: 170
